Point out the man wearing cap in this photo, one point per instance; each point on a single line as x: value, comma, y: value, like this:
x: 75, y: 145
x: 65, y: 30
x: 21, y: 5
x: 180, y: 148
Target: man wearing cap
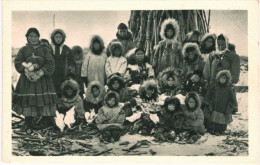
x: 125, y: 37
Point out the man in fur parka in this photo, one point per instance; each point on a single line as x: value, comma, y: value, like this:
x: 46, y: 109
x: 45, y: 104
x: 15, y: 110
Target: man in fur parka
x: 94, y: 96
x: 70, y: 98
x: 168, y: 52
x: 116, y: 63
x: 208, y: 45
x: 221, y: 100
x: 93, y: 67
x: 192, y: 59
x: 124, y: 36
x: 63, y: 59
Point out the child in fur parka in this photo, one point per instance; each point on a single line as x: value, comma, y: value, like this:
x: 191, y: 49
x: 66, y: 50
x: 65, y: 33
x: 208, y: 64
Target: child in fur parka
x: 170, y: 120
x: 63, y: 59
x: 196, y: 83
x: 193, y: 118
x: 116, y: 63
x: 110, y: 118
x: 93, y: 67
x: 221, y: 100
x: 70, y: 98
x: 94, y: 97
x: 192, y: 59
x: 168, y: 52
x: 208, y: 46
x: 171, y: 82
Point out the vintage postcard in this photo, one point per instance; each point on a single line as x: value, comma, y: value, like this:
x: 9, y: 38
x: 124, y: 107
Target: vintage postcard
x: 130, y: 82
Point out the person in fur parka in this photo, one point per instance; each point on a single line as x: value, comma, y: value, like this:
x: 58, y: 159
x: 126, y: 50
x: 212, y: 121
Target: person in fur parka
x: 110, y: 118
x: 168, y: 52
x: 63, y: 59
x: 139, y: 70
x: 93, y: 67
x: 124, y: 36
x: 116, y: 63
x: 192, y: 59
x: 208, y: 45
x: 196, y: 83
x: 70, y: 98
x: 94, y: 96
x: 148, y: 91
x: 221, y: 99
x: 192, y: 37
x: 171, y: 81
x: 193, y: 115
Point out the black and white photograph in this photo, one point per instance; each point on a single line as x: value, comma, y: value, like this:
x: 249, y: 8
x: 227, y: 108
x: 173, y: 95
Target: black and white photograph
x: 139, y: 82
x: 131, y: 82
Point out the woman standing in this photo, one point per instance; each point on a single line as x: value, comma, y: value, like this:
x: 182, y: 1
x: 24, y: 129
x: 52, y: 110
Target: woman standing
x: 35, y: 93
x: 64, y: 62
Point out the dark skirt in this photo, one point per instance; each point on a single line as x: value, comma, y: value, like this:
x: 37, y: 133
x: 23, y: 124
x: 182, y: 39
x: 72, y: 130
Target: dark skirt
x: 214, y: 126
x: 35, y: 98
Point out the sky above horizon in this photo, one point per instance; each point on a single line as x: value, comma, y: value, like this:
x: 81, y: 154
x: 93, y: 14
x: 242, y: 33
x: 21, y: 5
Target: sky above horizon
x: 79, y: 26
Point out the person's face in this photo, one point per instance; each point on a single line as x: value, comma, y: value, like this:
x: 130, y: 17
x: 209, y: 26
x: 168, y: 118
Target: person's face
x: 191, y: 54
x: 122, y: 32
x: 112, y: 102
x: 221, y: 44
x: 77, y: 56
x: 69, y: 91
x: 195, y: 78
x: 194, y: 38
x: 33, y: 38
x: 192, y: 103
x: 169, y: 33
x: 170, y: 81
x: 139, y: 56
x: 58, y: 38
x: 171, y: 107
x: 223, y: 79
x: 96, y: 45
x: 149, y: 92
x: 115, y: 84
x: 117, y: 52
x: 209, y: 42
x: 95, y: 92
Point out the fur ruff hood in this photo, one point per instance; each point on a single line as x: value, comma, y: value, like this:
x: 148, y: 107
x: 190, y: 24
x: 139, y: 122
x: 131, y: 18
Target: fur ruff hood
x: 227, y: 74
x: 208, y: 35
x: 114, y: 77
x: 74, y: 85
x: 175, y: 25
x: 191, y: 45
x: 148, y: 83
x: 89, y: 95
x: 114, y: 45
x: 94, y: 38
x: 195, y: 96
x: 108, y: 95
x: 129, y: 35
x: 58, y: 31
x: 165, y: 74
x: 190, y: 34
x: 174, y: 100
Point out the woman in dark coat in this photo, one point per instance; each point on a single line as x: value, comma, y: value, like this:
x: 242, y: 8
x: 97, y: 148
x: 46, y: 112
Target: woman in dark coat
x: 63, y: 58
x: 35, y: 93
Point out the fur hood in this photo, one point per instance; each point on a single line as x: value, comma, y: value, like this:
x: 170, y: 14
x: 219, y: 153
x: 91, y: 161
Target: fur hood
x: 114, y: 77
x: 74, y: 85
x: 115, y: 45
x: 174, y: 100
x: 175, y: 25
x: 190, y: 45
x: 203, y: 43
x: 130, y: 57
x: 190, y: 34
x: 77, y: 50
x: 89, y: 95
x: 227, y: 45
x: 108, y: 95
x: 227, y: 74
x: 165, y: 74
x: 148, y: 83
x: 58, y: 31
x: 94, y: 38
x: 195, y: 96
x: 208, y: 35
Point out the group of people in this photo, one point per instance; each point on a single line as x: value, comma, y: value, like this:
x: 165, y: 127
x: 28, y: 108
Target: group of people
x: 183, y: 90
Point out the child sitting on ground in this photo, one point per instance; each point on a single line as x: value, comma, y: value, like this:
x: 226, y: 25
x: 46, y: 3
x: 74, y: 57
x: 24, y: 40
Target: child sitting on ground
x: 221, y: 100
x: 110, y: 118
